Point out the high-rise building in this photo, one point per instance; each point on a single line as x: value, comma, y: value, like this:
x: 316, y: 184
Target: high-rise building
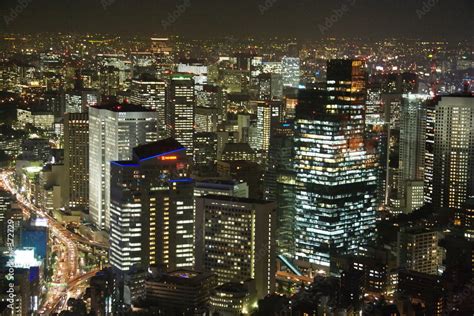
x: 280, y: 156
x: 221, y: 187
x: 290, y: 69
x: 418, y: 250
x: 264, y: 124
x: 453, y: 168
x: 205, y: 152
x: 467, y: 219
x: 412, y: 145
x: 279, y: 180
x: 195, y: 67
x: 114, y: 130
x: 78, y: 101
x: 161, y: 45
x: 237, y: 151
x: 180, y: 110
x: 235, y: 238
x: 183, y: 292
x: 206, y: 119
x: 335, y: 171
x: 269, y: 86
x: 152, y: 213
x: 429, y: 152
x: 150, y: 93
x: 76, y: 159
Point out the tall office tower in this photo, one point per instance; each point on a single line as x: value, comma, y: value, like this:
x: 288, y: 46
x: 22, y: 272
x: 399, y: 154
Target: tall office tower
x: 412, y: 147
x: 52, y: 102
x: 429, y: 151
x: 418, y: 250
x: 209, y: 96
x: 280, y: 157
x: 453, y: 171
x: 76, y: 159
x: 335, y: 172
x: 205, y: 153
x: 279, y: 180
x: 195, y: 67
x: 152, y: 217
x: 467, y: 219
x: 78, y: 101
x: 161, y: 45
x: 264, y: 125
x: 180, y: 110
x: 206, y: 119
x: 374, y: 107
x: 151, y: 94
x: 235, y: 239
x: 114, y: 130
x: 163, y: 54
x: 290, y: 69
x: 270, y: 86
x: 243, y: 127
x: 73, y: 102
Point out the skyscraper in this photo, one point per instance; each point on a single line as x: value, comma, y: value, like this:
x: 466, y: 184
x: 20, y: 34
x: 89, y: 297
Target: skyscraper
x: 453, y: 171
x: 264, y: 124
x: 335, y: 173
x: 429, y: 151
x: 152, y: 215
x: 279, y: 180
x: 235, y: 240
x: 180, y: 110
x: 151, y: 94
x: 114, y: 130
x: 76, y: 159
x: 418, y: 250
x: 290, y: 69
x: 412, y: 146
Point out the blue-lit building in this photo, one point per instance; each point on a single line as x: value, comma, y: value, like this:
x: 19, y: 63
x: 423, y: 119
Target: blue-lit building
x: 36, y: 237
x: 152, y: 211
x: 335, y: 170
x: 152, y: 214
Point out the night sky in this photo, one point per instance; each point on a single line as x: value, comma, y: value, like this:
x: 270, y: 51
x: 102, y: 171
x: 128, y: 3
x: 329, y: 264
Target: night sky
x: 440, y: 19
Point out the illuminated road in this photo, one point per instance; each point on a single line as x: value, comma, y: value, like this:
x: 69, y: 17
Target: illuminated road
x: 75, y: 287
x: 68, y: 271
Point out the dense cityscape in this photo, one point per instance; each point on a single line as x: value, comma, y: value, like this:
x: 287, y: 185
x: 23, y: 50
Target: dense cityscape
x: 165, y: 175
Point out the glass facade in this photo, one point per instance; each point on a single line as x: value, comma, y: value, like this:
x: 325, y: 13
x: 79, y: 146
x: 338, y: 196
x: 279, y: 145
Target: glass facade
x: 335, y: 173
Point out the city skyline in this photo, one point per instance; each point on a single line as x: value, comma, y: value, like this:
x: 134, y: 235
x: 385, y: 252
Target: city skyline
x: 242, y: 158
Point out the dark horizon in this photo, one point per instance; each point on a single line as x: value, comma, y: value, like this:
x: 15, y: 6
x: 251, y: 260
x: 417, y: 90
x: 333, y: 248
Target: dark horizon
x: 302, y: 19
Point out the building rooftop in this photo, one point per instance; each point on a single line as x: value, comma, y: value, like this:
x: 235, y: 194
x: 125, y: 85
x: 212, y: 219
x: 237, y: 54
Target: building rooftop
x: 122, y: 107
x: 215, y: 182
x: 159, y: 148
x: 182, y: 277
x: 236, y: 199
